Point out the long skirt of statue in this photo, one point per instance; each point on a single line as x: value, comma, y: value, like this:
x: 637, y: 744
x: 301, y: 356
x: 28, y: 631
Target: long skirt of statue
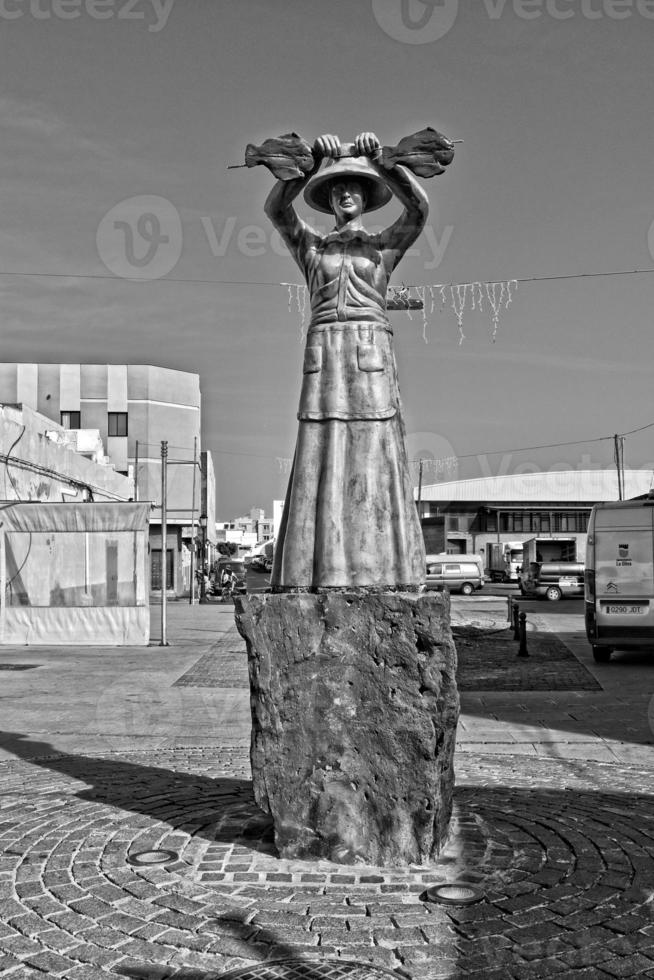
x: 350, y: 518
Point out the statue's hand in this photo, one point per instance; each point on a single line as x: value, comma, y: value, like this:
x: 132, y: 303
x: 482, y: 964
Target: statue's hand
x: 327, y: 146
x: 367, y: 145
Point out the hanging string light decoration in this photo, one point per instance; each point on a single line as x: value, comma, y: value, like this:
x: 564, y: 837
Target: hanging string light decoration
x: 421, y: 296
x: 283, y: 464
x: 399, y: 297
x: 505, y: 297
x: 467, y: 295
x: 443, y: 466
x: 447, y: 466
x: 459, y: 296
x: 297, y: 298
x: 477, y: 296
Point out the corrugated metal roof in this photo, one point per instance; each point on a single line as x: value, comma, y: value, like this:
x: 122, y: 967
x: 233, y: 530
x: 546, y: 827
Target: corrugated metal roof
x: 556, y: 485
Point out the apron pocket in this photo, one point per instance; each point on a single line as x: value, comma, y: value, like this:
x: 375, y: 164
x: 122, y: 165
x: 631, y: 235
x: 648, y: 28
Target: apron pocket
x: 370, y: 357
x: 312, y: 360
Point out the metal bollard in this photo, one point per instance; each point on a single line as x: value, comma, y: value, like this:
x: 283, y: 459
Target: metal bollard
x: 509, y: 608
x: 522, y: 651
x: 516, y: 626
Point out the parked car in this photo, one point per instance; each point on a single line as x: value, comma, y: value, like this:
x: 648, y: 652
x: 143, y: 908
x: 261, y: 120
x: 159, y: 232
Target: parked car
x: 553, y: 579
x: 457, y: 573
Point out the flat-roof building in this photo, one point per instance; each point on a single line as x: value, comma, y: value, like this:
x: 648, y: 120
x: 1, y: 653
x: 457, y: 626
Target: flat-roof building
x: 135, y: 407
x: 466, y: 515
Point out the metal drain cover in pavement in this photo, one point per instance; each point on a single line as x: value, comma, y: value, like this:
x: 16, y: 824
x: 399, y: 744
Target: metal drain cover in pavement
x: 309, y: 969
x: 152, y: 857
x: 456, y: 893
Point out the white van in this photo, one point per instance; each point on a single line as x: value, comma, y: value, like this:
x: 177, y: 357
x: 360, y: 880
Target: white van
x: 619, y: 590
x: 457, y: 573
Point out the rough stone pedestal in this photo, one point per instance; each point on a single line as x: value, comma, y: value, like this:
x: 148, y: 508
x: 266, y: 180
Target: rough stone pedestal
x: 354, y: 712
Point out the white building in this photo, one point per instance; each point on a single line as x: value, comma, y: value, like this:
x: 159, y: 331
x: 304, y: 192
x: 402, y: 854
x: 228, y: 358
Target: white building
x: 41, y: 463
x: 134, y: 408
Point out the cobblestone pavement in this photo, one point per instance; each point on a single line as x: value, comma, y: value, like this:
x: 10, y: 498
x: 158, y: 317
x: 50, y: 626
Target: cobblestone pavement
x: 565, y: 870
x: 561, y: 851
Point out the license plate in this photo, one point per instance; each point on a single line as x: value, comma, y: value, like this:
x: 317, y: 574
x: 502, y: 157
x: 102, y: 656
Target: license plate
x: 622, y: 609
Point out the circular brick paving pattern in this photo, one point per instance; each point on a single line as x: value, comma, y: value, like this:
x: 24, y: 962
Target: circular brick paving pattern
x: 563, y: 852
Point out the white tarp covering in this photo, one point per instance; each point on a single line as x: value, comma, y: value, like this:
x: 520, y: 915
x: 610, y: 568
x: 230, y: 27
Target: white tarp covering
x: 74, y: 574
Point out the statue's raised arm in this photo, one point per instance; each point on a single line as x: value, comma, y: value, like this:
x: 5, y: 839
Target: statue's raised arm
x: 401, y: 235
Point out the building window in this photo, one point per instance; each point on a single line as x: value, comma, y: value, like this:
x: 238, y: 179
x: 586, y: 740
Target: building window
x: 156, y: 569
x: 117, y: 424
x: 71, y: 420
x: 571, y: 521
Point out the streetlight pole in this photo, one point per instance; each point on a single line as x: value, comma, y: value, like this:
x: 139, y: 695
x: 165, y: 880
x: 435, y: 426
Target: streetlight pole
x: 194, y: 544
x: 203, y: 585
x: 164, y: 541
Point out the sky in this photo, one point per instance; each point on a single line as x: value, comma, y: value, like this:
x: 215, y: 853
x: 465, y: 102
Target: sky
x: 119, y: 119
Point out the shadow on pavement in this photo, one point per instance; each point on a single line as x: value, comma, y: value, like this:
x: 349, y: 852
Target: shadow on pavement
x: 220, y: 808
x: 300, y: 969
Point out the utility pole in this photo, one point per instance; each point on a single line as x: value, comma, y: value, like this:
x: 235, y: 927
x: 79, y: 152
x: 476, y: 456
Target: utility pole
x: 193, y: 540
x: 420, y: 489
x: 618, y: 451
x: 203, y: 585
x: 164, y: 542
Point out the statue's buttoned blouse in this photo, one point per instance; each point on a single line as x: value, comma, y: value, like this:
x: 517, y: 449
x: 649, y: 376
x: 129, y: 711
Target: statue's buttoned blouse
x: 349, y: 365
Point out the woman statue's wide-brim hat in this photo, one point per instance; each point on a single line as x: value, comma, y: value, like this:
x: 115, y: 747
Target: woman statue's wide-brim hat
x: 377, y: 192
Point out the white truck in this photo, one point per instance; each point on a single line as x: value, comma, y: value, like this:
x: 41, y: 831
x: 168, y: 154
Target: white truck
x: 547, y: 549
x: 504, y: 559
x: 619, y: 588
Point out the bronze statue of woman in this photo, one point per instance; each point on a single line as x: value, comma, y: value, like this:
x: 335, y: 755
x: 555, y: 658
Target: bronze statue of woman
x: 350, y: 519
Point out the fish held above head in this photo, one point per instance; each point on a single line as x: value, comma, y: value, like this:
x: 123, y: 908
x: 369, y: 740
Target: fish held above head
x: 426, y: 153
x: 286, y: 156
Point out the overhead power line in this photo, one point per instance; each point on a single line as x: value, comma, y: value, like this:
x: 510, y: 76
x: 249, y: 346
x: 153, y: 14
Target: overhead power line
x: 485, y: 452
x: 248, y: 282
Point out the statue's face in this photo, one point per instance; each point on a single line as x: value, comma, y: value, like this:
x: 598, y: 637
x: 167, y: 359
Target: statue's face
x: 347, y: 198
